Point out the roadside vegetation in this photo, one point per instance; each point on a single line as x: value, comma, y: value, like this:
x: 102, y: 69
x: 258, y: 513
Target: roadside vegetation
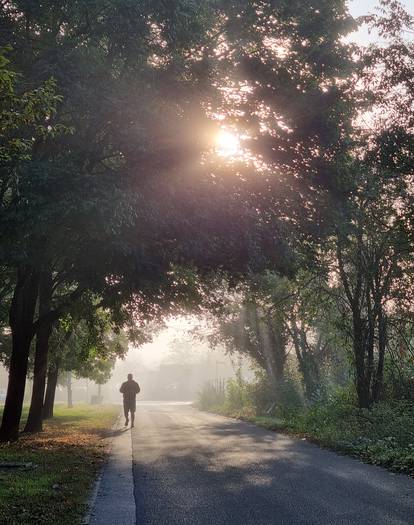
x: 54, y: 469
x: 383, y: 435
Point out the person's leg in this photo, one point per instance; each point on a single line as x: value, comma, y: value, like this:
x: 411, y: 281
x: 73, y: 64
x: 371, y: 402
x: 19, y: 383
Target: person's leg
x: 126, y: 409
x: 133, y: 408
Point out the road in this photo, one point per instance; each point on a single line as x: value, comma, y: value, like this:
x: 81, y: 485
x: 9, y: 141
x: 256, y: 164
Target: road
x: 194, y: 468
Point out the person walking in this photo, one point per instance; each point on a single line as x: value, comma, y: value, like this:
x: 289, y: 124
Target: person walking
x: 130, y: 389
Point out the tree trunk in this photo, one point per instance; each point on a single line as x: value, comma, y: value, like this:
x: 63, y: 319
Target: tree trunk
x: 21, y: 316
x: 49, y: 403
x: 382, y: 343
x: 277, y: 349
x: 363, y: 390
x: 362, y: 387
x: 34, y: 420
x: 69, y: 387
x: 307, y: 360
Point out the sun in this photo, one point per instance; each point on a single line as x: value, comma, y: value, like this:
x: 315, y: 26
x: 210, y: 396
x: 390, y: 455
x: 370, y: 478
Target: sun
x: 227, y: 144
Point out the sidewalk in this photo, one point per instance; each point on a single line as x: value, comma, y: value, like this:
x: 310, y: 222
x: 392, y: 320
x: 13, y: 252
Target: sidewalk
x: 114, y: 502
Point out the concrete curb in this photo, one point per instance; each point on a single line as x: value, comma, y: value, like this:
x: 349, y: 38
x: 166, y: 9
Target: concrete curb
x: 113, y: 500
x: 86, y: 520
x: 92, y: 498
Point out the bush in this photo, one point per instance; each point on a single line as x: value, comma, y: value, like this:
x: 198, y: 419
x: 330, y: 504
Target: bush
x: 210, y: 397
x: 267, y: 400
x: 238, y: 395
x: 383, y: 435
x: 398, y: 380
x: 290, y: 399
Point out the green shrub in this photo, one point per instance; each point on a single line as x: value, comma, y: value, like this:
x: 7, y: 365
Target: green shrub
x: 383, y: 435
x: 237, y: 394
x: 262, y: 395
x: 398, y: 380
x: 210, y: 397
x: 290, y: 399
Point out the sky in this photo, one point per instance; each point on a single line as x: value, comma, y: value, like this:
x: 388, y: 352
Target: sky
x: 364, y: 7
x: 361, y: 7
x: 151, y: 354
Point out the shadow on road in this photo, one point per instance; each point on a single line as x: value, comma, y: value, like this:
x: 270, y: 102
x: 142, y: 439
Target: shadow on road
x: 217, y: 470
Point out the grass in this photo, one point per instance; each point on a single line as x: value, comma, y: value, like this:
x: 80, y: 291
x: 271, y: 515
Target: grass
x: 65, y: 459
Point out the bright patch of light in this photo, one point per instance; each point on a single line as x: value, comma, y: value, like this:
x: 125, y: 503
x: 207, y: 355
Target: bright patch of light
x: 227, y: 144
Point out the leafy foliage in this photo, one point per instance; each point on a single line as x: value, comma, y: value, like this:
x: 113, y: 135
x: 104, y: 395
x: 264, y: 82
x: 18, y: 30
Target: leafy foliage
x: 110, y: 188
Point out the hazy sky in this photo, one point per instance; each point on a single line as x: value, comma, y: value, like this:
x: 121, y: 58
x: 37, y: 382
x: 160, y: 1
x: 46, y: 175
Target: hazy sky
x: 364, y: 7
x: 151, y: 354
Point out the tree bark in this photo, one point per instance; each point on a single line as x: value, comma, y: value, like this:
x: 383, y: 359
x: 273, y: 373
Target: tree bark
x: 34, y: 420
x: 382, y: 343
x: 21, y: 317
x: 362, y: 387
x: 69, y: 387
x: 52, y: 378
x: 307, y: 360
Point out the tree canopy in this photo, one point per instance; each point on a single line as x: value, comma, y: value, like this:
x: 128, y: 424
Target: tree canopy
x: 112, y: 188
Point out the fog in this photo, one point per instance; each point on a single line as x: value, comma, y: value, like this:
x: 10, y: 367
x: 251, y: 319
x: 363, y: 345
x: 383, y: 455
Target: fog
x: 173, y: 367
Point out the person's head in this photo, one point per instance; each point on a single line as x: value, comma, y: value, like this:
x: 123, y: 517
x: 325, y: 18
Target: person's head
x: 129, y: 377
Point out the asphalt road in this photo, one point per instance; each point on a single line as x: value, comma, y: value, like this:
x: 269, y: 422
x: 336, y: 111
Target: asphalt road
x: 190, y: 467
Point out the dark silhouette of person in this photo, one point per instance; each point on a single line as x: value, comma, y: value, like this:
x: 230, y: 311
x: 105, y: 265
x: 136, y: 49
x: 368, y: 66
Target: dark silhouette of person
x: 130, y: 389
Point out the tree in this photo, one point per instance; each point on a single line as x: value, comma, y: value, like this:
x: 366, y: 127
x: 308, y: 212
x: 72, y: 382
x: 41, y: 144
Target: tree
x: 142, y: 60
x: 283, y: 73
x: 53, y: 373
x: 373, y: 243
x: 86, y: 310
x: 86, y: 345
x: 117, y: 194
x: 22, y: 120
x: 244, y: 321
x: 347, y: 191
x: 34, y: 418
x: 314, y: 326
x: 107, y: 47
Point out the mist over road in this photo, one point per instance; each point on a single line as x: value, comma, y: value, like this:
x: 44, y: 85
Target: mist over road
x: 196, y: 468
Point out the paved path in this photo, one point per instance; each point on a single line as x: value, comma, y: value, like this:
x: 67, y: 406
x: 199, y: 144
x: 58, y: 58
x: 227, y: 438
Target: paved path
x: 113, y: 499
x: 201, y: 469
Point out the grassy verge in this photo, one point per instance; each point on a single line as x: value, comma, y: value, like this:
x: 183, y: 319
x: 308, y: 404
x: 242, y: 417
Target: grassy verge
x: 65, y: 459
x: 383, y: 436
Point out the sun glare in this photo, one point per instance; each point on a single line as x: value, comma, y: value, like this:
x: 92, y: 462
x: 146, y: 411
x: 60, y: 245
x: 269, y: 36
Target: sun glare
x: 227, y: 144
